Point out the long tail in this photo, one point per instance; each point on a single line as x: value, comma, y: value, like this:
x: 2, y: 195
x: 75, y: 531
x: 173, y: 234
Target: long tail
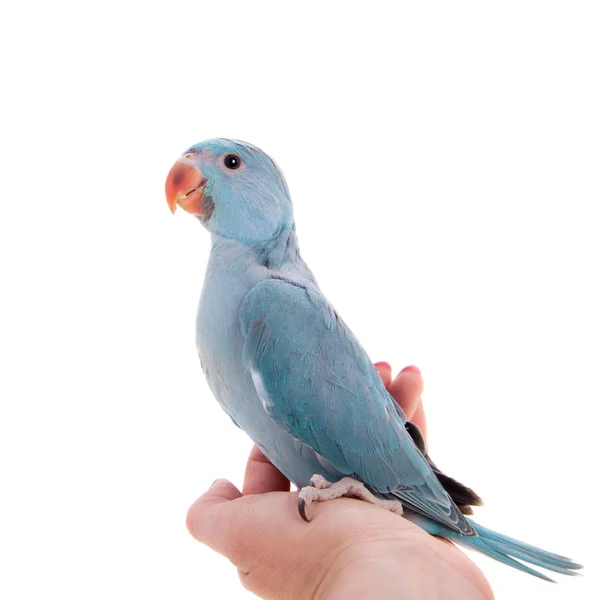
x: 505, y: 549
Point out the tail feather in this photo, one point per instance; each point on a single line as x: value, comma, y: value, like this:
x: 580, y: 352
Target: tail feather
x: 503, y: 548
x: 556, y: 559
x: 531, y: 559
x: 482, y: 546
x: 507, y: 549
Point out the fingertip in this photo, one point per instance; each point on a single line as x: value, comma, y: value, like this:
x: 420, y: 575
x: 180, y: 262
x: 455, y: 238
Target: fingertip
x: 262, y: 476
x: 412, y: 369
x: 190, y: 519
x: 406, y: 390
x: 385, y: 372
x: 203, y: 510
x: 221, y: 490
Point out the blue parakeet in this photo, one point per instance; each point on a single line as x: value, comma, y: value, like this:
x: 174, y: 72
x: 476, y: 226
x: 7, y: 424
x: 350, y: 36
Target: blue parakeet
x: 288, y: 371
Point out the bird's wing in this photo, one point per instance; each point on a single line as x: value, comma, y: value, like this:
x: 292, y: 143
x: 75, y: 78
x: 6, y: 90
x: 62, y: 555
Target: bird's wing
x: 316, y: 382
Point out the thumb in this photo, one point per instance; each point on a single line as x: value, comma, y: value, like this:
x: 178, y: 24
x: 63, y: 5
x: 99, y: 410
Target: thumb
x: 220, y: 491
x: 205, y: 515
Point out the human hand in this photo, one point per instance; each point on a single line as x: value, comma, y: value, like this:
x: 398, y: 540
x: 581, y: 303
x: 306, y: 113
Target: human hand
x: 350, y: 549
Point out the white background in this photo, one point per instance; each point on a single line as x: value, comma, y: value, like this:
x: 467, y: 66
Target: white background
x: 444, y: 162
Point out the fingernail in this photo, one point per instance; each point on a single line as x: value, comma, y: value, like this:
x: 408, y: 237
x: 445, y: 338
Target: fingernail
x: 383, y: 365
x: 411, y: 368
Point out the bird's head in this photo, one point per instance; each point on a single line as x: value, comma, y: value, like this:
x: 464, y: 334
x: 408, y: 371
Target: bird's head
x: 235, y: 190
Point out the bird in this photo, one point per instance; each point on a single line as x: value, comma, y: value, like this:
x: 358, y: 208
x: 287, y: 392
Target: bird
x: 286, y: 368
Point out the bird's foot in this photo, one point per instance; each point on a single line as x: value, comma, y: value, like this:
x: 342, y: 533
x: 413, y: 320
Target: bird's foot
x: 321, y: 490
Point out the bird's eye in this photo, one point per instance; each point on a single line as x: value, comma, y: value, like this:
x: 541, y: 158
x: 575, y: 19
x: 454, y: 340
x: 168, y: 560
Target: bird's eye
x: 232, y: 162
x: 189, y: 155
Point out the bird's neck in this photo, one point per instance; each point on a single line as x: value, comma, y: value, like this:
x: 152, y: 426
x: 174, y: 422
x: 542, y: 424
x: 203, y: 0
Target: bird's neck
x: 275, y: 253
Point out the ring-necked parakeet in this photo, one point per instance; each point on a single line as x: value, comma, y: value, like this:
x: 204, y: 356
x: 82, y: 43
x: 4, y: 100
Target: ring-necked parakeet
x: 289, y: 372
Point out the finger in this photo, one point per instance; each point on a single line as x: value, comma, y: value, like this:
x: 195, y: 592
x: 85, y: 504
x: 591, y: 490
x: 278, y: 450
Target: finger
x: 418, y: 418
x: 406, y: 390
x: 385, y: 372
x: 261, y: 476
x: 205, y: 516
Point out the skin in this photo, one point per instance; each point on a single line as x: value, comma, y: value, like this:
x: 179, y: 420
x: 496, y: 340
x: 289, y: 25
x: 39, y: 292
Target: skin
x: 350, y: 549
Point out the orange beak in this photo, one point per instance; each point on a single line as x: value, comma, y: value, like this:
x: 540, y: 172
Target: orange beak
x: 185, y: 187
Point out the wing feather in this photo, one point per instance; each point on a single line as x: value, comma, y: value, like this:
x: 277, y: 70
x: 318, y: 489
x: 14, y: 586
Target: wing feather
x: 315, y: 380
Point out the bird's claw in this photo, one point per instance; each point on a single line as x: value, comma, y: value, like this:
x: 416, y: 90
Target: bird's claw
x: 321, y: 490
x: 302, y: 509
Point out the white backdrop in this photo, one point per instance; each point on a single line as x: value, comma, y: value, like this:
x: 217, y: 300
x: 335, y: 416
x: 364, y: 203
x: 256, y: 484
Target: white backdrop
x: 443, y: 159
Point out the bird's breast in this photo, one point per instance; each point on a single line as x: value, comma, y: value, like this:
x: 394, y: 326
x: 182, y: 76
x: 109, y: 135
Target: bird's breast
x: 219, y: 338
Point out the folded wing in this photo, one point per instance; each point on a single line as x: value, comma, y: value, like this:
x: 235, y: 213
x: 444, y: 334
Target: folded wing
x: 316, y: 382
